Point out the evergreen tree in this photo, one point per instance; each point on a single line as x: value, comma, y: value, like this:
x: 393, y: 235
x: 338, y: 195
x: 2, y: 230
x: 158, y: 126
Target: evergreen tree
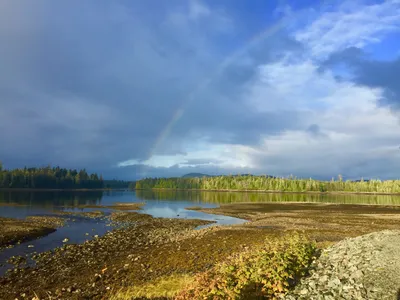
x: 48, y: 178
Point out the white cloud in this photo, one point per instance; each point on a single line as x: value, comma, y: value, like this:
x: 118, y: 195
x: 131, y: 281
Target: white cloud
x: 286, y: 86
x: 217, y: 155
x: 198, y: 16
x: 350, y: 25
x: 356, y: 130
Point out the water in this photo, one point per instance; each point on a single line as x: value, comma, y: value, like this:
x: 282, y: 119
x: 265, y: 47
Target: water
x: 17, y: 204
x: 167, y: 204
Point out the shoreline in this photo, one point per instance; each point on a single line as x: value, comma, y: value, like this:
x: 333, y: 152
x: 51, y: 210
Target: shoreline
x: 202, y: 190
x: 273, y: 191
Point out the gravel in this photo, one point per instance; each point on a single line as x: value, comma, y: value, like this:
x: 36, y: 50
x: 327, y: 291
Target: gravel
x: 365, y: 267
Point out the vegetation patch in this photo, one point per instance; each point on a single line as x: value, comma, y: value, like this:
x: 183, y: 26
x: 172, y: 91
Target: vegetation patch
x: 165, y: 287
x: 264, y: 273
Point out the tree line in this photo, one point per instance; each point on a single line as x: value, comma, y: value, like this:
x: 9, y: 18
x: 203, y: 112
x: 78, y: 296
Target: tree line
x: 268, y: 183
x: 118, y: 184
x: 49, y: 178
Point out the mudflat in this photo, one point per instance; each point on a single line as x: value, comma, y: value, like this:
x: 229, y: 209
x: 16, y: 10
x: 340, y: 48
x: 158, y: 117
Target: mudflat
x: 13, y: 231
x: 323, y: 222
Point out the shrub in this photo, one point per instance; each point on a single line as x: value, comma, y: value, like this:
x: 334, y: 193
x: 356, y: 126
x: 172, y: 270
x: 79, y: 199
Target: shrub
x: 266, y: 273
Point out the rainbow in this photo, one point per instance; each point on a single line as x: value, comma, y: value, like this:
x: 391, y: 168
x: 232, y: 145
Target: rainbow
x: 226, y: 62
x: 254, y: 41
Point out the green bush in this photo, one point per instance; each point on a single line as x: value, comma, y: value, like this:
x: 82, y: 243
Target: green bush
x: 266, y: 273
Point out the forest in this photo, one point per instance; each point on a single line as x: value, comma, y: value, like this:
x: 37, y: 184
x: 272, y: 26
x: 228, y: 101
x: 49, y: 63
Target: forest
x: 49, y: 178
x: 117, y: 184
x: 268, y: 183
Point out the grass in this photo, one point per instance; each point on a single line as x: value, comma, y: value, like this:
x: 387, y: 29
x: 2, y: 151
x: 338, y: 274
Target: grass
x: 164, y: 287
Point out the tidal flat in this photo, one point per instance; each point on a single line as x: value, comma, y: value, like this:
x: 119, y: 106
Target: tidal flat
x: 145, y: 249
x: 15, y: 231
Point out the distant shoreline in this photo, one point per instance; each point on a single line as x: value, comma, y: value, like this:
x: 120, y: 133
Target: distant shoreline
x: 272, y: 191
x: 198, y: 190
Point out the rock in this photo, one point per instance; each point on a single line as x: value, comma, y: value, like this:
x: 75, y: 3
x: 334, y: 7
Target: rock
x: 304, y: 292
x: 323, y: 278
x: 97, y: 277
x: 357, y: 274
x: 312, y: 285
x: 349, y: 270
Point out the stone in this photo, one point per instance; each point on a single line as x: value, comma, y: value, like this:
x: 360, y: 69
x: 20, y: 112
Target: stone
x: 357, y: 274
x: 323, y: 278
x: 304, y: 292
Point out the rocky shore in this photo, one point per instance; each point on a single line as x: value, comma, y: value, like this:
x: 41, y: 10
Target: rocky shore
x: 365, y: 267
x: 143, y: 249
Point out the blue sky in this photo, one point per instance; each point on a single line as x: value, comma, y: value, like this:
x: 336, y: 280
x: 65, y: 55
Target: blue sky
x: 162, y: 88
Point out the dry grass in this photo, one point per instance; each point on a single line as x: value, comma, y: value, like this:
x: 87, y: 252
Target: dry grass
x: 165, y: 287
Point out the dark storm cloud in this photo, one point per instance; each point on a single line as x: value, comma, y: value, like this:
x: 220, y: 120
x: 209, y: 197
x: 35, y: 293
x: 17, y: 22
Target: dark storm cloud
x: 367, y: 71
x: 94, y: 83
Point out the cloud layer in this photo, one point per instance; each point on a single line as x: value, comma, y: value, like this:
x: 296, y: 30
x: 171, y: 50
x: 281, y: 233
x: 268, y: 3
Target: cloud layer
x: 150, y: 88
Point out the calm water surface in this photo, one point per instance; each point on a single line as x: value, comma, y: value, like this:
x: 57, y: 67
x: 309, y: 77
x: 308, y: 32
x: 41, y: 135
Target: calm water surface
x: 167, y: 204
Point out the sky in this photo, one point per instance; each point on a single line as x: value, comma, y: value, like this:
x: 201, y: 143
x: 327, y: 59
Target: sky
x: 134, y: 89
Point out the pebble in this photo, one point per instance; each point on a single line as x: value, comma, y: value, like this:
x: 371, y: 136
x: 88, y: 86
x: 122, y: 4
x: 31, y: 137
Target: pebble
x: 340, y: 271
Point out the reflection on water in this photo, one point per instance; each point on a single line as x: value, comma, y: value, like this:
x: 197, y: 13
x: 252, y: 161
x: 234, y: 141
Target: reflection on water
x: 234, y: 197
x: 50, y: 198
x: 167, y: 203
